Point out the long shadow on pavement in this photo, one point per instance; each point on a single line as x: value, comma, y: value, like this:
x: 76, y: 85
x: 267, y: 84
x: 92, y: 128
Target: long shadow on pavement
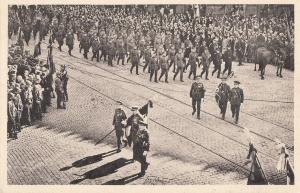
x: 103, y: 170
x: 123, y: 181
x: 89, y: 160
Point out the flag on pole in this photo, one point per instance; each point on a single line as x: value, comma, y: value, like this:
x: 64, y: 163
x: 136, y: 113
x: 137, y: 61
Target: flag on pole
x: 256, y: 175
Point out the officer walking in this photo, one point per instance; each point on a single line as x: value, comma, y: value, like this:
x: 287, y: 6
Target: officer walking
x: 222, y: 96
x: 163, y: 63
x: 179, y: 62
x: 154, y: 67
x: 142, y: 146
x: 227, y: 56
x: 70, y: 42
x: 119, y: 121
x: 236, y: 98
x: 197, y: 94
x: 135, y: 60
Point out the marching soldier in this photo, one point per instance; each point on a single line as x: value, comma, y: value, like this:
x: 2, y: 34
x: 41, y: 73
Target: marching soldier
x: 135, y: 60
x: 172, y: 53
x: 222, y: 96
x: 134, y: 125
x: 240, y: 47
x: 217, y: 61
x: 236, y: 99
x: 193, y: 58
x: 205, y: 61
x: 121, y: 55
x: 70, y: 42
x: 85, y: 45
x: 197, y: 94
x: 119, y: 122
x: 163, y: 63
x: 111, y: 53
x: 142, y: 146
x: 147, y: 56
x: 179, y: 62
x: 153, y: 66
x: 95, y: 48
x: 227, y: 57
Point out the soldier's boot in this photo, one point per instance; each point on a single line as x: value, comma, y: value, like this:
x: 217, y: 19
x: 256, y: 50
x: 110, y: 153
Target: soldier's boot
x: 64, y: 105
x: 198, y: 116
x: 67, y: 98
x: 194, y: 111
x: 223, y: 116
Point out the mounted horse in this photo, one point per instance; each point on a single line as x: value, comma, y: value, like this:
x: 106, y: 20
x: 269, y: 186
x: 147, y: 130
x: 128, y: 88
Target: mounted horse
x: 264, y: 56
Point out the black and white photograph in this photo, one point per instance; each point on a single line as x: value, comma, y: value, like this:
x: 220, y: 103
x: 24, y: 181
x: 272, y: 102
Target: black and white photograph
x: 150, y: 94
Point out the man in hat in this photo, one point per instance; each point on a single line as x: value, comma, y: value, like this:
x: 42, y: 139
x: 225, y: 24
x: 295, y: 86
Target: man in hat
x: 153, y: 66
x: 236, y: 99
x: 197, y: 94
x: 179, y: 62
x: 142, y: 146
x: 171, y: 54
x: 70, y: 42
x: 64, y: 78
x: 11, y: 116
x: 111, y: 53
x: 119, y: 122
x: 240, y: 49
x: 217, y: 61
x: 19, y: 107
x: 134, y: 124
x: 193, y: 59
x: 164, y: 65
x: 206, y: 59
x: 147, y: 56
x: 59, y: 91
x: 222, y: 96
x: 227, y: 57
x: 135, y: 60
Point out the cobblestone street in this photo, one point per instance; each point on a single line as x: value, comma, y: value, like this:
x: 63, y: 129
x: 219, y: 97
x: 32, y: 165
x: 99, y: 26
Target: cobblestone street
x: 60, y: 149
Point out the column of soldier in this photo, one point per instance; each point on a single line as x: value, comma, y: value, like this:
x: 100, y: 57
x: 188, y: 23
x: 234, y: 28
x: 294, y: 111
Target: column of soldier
x: 30, y: 89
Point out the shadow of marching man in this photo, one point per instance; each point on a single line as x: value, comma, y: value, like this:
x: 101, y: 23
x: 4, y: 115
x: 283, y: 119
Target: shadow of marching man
x: 124, y: 180
x: 103, y: 170
x: 89, y: 160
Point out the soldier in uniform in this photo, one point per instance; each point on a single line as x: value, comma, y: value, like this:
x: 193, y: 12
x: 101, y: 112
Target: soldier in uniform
x: 121, y: 54
x: 179, y: 62
x: 147, y: 56
x: 134, y: 125
x: 85, y: 45
x: 111, y: 53
x: 236, y: 99
x: 19, y: 108
x: 222, y: 96
x: 142, y: 146
x: 205, y: 61
x: 64, y: 79
x: 59, y: 92
x: 217, y: 61
x: 240, y: 48
x: 164, y: 65
x: 227, y: 57
x: 171, y: 54
x: 119, y: 122
x: 135, y: 60
x: 153, y: 66
x: 70, y: 42
x: 193, y: 59
x: 197, y: 94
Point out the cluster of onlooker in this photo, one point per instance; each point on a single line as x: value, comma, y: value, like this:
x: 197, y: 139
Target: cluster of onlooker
x: 29, y: 89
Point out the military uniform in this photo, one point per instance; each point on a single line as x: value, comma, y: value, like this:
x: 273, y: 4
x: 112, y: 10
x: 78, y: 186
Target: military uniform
x: 163, y: 63
x: 227, y: 57
x: 197, y: 93
x: 240, y: 48
x: 154, y: 67
x: 135, y: 61
x: 179, y: 62
x: 141, y: 147
x: 111, y: 53
x: 236, y: 98
x: 193, y: 58
x: 64, y: 79
x: 59, y: 93
x: 171, y: 54
x: 217, y: 61
x: 205, y: 62
x: 222, y: 97
x: 118, y: 119
x: 11, y: 117
x: 147, y: 56
x: 70, y: 42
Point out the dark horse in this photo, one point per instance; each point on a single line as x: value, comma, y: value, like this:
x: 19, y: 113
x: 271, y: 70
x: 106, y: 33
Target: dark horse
x: 266, y: 56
